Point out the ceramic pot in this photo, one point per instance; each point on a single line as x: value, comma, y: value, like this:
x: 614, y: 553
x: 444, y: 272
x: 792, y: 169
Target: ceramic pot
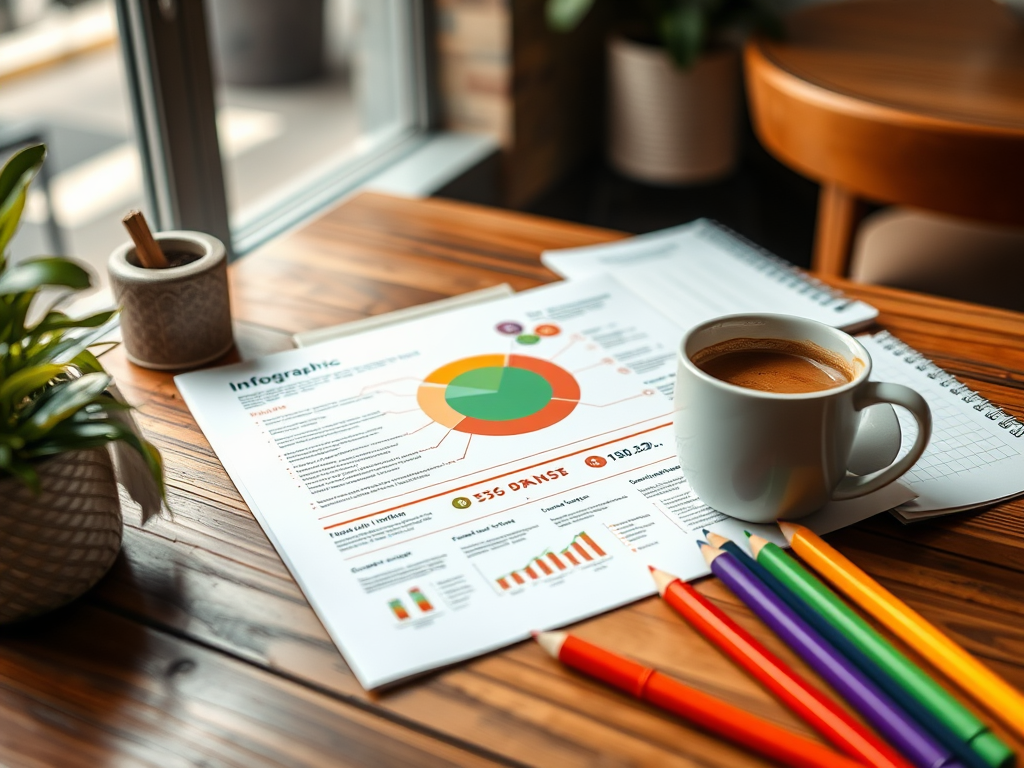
x: 56, y: 545
x: 178, y: 317
x: 667, y: 125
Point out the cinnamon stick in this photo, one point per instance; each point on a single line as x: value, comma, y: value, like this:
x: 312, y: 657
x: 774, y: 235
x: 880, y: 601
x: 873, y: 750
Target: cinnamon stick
x: 146, y: 246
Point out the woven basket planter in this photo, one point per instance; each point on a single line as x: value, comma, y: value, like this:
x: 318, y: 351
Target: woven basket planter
x: 56, y: 545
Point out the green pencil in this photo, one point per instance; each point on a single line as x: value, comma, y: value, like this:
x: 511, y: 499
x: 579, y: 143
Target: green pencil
x: 908, y: 675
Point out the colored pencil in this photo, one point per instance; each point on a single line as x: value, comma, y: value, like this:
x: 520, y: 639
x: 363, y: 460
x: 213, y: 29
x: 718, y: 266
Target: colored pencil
x: 986, y: 687
x: 810, y: 704
x: 703, y: 710
x: 989, y: 754
x: 972, y: 737
x: 876, y: 707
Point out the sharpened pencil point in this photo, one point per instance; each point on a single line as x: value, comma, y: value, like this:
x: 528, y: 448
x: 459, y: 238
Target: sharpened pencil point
x: 716, y: 540
x: 551, y: 642
x: 789, y: 530
x: 709, y: 552
x: 757, y: 544
x: 747, y: 533
x: 705, y: 531
x: 661, y: 579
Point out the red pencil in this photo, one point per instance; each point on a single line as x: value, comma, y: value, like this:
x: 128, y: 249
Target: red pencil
x: 706, y: 711
x: 817, y: 710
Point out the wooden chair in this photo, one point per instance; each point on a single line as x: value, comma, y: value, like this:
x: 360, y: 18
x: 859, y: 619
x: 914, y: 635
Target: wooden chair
x: 910, y: 102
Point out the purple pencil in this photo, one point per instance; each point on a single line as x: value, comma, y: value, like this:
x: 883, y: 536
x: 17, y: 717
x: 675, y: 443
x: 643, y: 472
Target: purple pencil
x: 862, y: 694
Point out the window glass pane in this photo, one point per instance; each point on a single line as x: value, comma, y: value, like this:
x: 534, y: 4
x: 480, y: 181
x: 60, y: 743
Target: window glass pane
x: 306, y: 90
x: 62, y: 81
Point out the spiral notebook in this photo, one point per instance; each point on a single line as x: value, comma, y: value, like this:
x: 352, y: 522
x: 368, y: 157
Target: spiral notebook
x: 697, y: 271
x: 976, y: 453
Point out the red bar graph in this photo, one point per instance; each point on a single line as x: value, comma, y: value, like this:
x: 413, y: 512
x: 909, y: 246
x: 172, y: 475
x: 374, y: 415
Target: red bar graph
x: 582, y: 550
x: 592, y: 544
x: 583, y: 553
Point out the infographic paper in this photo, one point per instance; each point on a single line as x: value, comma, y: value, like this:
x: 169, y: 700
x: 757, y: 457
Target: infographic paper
x: 441, y: 487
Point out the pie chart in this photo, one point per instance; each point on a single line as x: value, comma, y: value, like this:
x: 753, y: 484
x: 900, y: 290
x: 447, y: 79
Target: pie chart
x: 498, y: 394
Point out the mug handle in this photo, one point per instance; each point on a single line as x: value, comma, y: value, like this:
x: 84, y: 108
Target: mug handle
x: 879, y: 392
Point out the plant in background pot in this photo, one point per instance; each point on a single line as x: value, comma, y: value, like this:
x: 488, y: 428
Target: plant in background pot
x: 673, y: 83
x: 60, y: 513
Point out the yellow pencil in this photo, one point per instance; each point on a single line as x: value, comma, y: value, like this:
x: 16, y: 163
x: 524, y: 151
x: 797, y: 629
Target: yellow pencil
x: 987, y: 688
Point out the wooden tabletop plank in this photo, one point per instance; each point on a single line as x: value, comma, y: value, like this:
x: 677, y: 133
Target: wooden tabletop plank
x: 88, y: 688
x: 209, y: 582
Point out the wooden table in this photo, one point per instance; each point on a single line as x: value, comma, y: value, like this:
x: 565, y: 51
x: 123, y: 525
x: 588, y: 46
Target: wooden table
x: 199, y: 649
x: 909, y: 102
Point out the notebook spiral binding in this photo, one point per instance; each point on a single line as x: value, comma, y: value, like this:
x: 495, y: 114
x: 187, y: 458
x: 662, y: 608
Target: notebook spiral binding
x: 777, y: 268
x: 911, y: 356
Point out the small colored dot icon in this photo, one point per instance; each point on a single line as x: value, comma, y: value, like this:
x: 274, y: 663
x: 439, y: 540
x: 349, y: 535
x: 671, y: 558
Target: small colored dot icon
x: 527, y: 338
x: 595, y: 461
x: 547, y: 330
x: 461, y: 502
x: 509, y: 328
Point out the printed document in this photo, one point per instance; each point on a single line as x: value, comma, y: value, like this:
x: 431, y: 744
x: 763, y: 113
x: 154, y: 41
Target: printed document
x: 443, y: 486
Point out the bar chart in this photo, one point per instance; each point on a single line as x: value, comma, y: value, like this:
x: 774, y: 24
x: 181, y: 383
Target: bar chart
x: 580, y: 551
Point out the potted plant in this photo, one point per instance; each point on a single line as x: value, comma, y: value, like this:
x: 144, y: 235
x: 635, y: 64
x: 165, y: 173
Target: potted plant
x: 60, y: 514
x: 673, y: 83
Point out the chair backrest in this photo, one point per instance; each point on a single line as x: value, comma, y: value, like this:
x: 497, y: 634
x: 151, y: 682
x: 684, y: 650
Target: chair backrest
x: 912, y: 102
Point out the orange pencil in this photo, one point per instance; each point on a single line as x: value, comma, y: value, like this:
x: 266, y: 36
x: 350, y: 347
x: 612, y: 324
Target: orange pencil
x: 816, y: 709
x: 988, y: 689
x: 706, y: 711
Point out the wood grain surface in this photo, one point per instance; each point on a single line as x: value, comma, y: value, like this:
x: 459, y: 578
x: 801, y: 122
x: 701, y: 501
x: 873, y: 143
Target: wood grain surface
x: 199, y: 648
x: 908, y: 102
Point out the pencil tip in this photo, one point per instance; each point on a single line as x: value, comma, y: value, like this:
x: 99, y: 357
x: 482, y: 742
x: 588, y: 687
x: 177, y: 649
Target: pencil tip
x: 651, y: 568
x: 551, y: 642
x: 709, y: 552
x: 747, y: 533
x: 757, y: 544
x: 705, y: 531
x: 661, y: 579
x: 715, y: 540
x: 789, y: 530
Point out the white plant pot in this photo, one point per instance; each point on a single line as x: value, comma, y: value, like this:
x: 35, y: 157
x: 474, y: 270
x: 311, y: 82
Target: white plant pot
x: 667, y: 125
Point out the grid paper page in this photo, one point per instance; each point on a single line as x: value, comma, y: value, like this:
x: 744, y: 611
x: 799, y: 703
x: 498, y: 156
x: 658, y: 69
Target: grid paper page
x: 976, y: 453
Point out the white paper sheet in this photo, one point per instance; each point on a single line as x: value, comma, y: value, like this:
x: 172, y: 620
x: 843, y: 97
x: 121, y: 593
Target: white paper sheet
x: 698, y: 271
x: 419, y: 539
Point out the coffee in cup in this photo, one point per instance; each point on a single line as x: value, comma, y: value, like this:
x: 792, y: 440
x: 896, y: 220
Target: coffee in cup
x: 775, y: 365
x: 767, y: 411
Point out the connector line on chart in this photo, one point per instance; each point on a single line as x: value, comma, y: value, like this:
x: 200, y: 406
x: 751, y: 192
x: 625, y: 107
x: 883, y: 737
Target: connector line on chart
x: 605, y: 361
x: 377, y: 387
x: 575, y: 338
x: 645, y: 393
x: 445, y: 438
x: 496, y: 466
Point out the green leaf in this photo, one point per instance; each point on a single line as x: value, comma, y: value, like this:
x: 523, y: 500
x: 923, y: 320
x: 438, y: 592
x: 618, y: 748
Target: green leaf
x: 24, y: 161
x: 48, y: 271
x: 87, y: 362
x: 64, y: 401
x: 684, y: 30
x: 23, y: 383
x: 57, y: 320
x: 15, y: 177
x: 566, y: 15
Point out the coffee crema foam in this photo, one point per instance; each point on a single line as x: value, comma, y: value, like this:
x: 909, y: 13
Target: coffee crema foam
x: 775, y: 365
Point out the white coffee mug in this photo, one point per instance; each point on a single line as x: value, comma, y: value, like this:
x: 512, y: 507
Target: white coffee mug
x: 763, y: 456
